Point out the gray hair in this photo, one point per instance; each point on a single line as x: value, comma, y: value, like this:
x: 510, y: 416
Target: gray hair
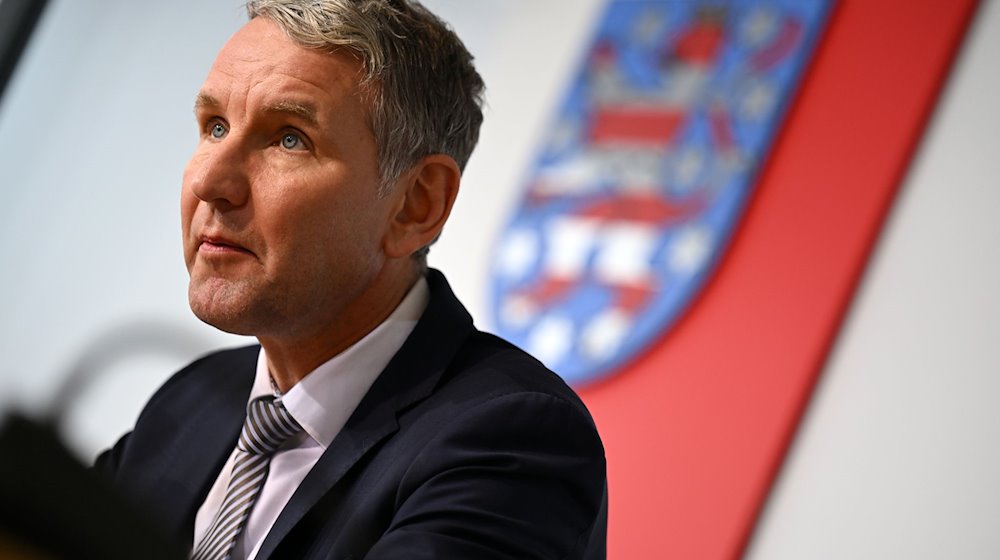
x: 425, y: 95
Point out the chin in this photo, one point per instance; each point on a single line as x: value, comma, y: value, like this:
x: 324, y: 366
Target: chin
x: 220, y: 307
x: 231, y: 323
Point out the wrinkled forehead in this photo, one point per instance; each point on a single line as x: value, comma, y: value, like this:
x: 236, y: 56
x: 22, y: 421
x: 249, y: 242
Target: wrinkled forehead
x: 260, y: 53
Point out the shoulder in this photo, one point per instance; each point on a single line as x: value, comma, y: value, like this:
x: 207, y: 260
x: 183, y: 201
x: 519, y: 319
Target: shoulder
x: 496, y: 368
x: 218, y: 370
x: 216, y: 382
x: 496, y: 397
x: 505, y: 441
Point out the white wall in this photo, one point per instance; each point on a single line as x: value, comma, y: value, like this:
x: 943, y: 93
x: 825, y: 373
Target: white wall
x: 94, y: 132
x: 896, y: 458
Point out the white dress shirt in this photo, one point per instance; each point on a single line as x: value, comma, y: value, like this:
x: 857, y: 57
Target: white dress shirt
x: 321, y: 402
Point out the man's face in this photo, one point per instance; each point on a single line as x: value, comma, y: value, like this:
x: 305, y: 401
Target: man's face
x: 283, y: 226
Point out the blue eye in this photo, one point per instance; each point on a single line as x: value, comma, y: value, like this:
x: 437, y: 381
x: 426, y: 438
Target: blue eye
x: 291, y: 141
x: 217, y: 130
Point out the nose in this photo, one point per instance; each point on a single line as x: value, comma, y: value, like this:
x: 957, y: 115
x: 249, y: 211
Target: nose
x: 217, y: 174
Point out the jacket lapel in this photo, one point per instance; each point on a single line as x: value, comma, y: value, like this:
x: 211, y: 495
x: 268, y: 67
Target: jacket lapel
x: 204, y: 440
x: 410, y: 377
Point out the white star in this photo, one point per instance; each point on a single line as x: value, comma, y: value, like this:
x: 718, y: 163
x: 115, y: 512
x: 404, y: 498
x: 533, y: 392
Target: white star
x: 757, y: 101
x: 758, y: 27
x: 690, y: 249
x: 551, y: 339
x: 517, y: 253
x: 517, y: 311
x: 603, y: 336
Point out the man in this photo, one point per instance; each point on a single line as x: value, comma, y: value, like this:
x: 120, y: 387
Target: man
x: 373, y: 420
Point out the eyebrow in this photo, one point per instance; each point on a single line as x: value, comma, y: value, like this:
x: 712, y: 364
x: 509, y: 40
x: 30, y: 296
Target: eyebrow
x: 304, y: 111
x: 205, y: 100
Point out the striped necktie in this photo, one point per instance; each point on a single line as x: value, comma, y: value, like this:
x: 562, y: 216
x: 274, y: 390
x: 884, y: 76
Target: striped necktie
x: 267, y: 427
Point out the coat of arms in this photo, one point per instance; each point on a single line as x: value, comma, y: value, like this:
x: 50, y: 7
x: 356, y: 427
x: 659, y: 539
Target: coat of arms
x: 644, y: 174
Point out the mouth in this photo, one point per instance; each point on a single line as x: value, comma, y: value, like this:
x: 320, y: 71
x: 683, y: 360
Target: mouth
x: 215, y: 244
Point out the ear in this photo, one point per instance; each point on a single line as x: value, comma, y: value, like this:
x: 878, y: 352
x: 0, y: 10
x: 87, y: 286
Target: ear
x: 427, y: 192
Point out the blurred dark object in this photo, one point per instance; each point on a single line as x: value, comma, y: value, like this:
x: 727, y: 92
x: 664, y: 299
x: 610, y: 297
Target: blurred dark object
x: 17, y: 21
x: 51, y: 506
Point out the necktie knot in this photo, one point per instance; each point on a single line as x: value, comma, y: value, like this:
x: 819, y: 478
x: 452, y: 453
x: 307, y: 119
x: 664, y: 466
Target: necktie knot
x: 268, y: 426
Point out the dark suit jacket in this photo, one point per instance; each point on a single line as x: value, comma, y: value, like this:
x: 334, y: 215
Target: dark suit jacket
x: 465, y: 447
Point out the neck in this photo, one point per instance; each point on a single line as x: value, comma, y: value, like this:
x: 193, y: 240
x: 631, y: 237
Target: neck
x: 292, y: 358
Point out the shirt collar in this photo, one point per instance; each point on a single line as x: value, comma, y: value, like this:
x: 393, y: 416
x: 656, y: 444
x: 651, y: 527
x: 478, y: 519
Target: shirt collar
x: 325, y: 398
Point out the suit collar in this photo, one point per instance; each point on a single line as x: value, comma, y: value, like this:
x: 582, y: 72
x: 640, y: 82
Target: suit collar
x: 323, y: 401
x: 410, y: 377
